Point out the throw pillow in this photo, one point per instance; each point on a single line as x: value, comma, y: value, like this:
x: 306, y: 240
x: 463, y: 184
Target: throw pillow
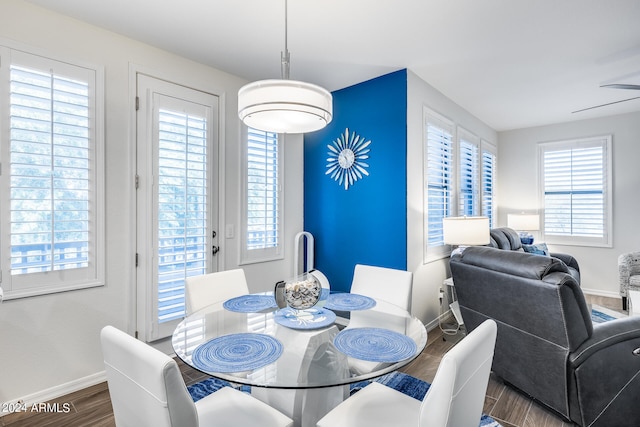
x: 537, y: 249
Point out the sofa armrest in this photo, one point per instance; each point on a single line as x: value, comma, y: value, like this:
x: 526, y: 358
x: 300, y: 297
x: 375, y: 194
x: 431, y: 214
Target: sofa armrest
x: 606, y: 335
x: 603, y: 375
x: 567, y: 259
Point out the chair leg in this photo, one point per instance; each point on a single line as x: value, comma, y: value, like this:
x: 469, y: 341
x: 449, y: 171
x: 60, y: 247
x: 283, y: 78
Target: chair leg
x: 624, y: 303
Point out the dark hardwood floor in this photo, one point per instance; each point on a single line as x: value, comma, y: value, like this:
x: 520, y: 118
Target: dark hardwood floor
x: 92, y: 406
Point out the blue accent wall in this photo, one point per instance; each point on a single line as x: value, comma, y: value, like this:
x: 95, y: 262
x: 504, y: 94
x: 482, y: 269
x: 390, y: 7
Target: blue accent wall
x: 366, y: 224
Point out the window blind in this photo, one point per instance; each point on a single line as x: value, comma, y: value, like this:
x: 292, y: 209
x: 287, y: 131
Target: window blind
x: 488, y: 168
x: 468, y: 173
x: 263, y: 204
x: 182, y: 207
x: 50, y: 168
x: 576, y: 195
x: 439, y: 180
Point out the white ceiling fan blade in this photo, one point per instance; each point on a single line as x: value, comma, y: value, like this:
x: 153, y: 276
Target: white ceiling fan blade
x: 604, y: 105
x: 622, y: 86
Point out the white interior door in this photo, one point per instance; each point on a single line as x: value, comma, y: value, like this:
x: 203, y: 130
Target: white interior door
x: 177, y: 200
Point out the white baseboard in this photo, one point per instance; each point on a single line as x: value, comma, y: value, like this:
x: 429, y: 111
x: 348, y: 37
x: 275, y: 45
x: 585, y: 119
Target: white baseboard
x: 601, y: 293
x: 432, y: 325
x: 59, y: 390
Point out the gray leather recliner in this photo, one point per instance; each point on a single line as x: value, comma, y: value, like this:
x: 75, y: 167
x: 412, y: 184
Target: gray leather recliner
x: 547, y: 345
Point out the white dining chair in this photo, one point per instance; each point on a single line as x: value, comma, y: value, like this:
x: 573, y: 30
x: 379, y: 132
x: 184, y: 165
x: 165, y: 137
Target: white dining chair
x: 388, y: 284
x: 206, y: 289
x: 455, y: 398
x: 147, y: 389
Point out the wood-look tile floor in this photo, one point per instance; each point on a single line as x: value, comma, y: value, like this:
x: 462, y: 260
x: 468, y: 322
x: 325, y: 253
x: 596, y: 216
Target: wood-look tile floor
x: 92, y: 406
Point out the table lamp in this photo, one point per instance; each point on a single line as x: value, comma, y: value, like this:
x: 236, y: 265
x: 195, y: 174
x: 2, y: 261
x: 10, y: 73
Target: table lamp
x: 524, y: 223
x: 462, y: 231
x: 466, y: 231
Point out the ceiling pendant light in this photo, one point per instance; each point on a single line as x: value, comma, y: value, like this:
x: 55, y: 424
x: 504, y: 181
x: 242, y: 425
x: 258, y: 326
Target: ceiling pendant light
x: 285, y: 106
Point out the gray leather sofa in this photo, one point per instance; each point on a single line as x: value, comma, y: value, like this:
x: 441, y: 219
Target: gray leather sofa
x: 547, y: 345
x: 508, y: 239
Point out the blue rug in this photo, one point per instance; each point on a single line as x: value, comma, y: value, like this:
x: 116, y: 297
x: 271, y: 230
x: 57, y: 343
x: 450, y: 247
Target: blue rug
x: 602, y: 314
x: 415, y: 388
x: 404, y: 383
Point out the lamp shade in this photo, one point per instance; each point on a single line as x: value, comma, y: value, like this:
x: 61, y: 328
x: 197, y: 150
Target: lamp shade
x: 285, y: 106
x: 466, y: 230
x: 524, y: 222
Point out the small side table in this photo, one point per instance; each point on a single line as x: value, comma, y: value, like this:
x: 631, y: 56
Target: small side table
x: 450, y: 325
x: 634, y: 303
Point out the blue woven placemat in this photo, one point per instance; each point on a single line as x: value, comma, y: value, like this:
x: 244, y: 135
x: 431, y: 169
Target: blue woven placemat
x: 237, y: 353
x: 375, y: 344
x: 250, y: 303
x: 349, y: 302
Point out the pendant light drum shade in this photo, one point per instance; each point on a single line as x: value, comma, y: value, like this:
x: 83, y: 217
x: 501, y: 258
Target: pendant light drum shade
x: 285, y: 106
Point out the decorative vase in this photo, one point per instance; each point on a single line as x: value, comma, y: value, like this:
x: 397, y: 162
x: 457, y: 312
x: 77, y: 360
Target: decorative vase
x: 299, y: 293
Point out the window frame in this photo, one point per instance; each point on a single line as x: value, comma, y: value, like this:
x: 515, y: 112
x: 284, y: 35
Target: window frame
x: 250, y: 256
x: 604, y: 141
x: 20, y: 286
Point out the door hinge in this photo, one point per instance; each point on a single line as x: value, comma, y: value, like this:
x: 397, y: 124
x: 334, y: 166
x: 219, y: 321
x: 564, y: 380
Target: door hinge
x: 136, y: 259
x: 137, y: 103
x: 137, y: 181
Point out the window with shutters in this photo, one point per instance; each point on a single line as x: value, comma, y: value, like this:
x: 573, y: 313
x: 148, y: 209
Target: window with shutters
x: 52, y: 224
x: 177, y: 198
x: 468, y: 173
x: 488, y: 168
x: 459, y: 179
x: 262, y: 197
x: 182, y: 205
x: 576, y: 191
x: 439, y: 182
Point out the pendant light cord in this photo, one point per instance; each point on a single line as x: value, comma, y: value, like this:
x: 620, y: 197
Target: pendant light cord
x: 285, y: 56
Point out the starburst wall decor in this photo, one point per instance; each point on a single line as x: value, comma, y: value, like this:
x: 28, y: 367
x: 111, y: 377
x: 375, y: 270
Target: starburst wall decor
x: 345, y: 163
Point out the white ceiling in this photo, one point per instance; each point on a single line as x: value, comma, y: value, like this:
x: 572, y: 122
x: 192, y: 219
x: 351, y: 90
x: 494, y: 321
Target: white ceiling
x: 511, y: 63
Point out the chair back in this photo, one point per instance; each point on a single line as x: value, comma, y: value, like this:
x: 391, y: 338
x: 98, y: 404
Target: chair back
x: 145, y: 385
x: 204, y: 290
x: 456, y: 396
x: 387, y: 284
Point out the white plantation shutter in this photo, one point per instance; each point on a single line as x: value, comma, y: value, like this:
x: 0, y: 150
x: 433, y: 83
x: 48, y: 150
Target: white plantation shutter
x: 439, y: 167
x: 54, y: 179
x: 468, y: 173
x: 488, y: 169
x: 577, y: 191
x: 262, y: 210
x: 182, y: 207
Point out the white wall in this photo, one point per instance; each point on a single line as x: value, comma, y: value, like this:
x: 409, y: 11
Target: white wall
x: 518, y: 189
x: 50, y: 344
x: 428, y: 277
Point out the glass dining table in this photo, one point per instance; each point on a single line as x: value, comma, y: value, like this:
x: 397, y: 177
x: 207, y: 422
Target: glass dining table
x: 300, y: 362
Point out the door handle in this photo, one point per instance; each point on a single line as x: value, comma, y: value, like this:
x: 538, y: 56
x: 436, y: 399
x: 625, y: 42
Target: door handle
x: 215, y: 250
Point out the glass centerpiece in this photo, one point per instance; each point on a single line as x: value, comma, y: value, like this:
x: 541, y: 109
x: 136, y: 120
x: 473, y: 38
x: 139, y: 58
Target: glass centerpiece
x: 299, y: 293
